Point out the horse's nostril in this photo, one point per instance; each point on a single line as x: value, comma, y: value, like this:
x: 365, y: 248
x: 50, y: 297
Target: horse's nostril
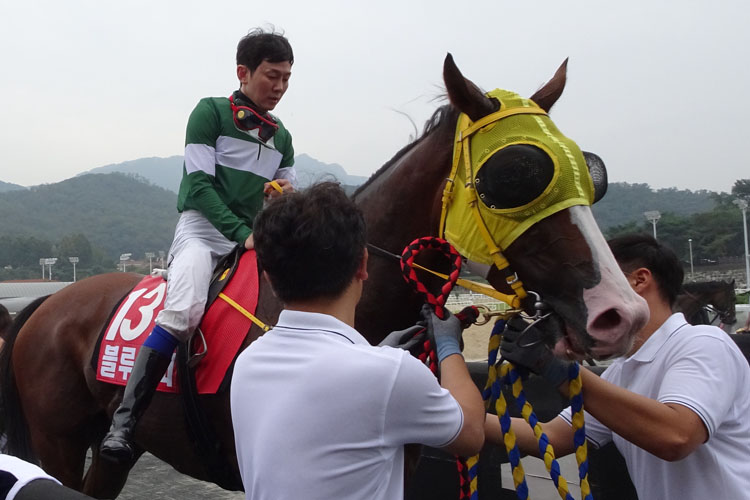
x: 607, y: 320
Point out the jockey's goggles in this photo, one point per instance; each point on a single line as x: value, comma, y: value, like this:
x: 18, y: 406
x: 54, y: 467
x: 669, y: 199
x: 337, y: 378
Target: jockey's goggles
x: 246, y: 118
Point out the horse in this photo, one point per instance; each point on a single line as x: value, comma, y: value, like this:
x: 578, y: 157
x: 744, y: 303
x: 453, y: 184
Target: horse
x: 701, y: 299
x: 5, y: 321
x: 56, y: 410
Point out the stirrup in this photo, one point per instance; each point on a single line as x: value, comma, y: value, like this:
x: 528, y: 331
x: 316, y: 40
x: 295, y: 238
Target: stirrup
x: 195, y: 358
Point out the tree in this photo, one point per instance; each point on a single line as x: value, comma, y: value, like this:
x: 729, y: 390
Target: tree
x: 741, y: 189
x: 75, y: 245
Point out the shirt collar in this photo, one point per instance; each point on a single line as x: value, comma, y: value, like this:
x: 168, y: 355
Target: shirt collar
x: 651, y: 347
x: 319, y: 322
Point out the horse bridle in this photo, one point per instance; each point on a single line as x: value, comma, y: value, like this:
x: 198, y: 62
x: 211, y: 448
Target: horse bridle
x: 722, y: 314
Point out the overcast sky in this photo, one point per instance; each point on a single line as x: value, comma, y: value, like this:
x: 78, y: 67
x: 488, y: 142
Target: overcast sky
x: 657, y: 89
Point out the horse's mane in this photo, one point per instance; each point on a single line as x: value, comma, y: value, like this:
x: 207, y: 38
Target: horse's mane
x: 443, y: 117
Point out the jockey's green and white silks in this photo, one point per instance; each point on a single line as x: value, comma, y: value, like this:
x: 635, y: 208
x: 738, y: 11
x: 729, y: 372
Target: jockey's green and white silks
x: 519, y: 121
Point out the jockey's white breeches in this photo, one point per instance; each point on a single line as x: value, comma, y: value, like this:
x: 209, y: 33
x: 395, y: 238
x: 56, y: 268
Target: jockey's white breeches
x: 195, y: 251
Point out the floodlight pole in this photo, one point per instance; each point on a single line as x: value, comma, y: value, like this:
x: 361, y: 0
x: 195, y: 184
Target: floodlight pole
x: 690, y: 243
x: 150, y: 256
x: 742, y: 204
x: 74, y: 261
x: 652, y: 216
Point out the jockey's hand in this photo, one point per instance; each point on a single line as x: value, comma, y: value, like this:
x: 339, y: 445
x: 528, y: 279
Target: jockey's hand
x: 446, y: 332
x: 404, y: 339
x: 523, y: 346
x: 271, y: 192
x: 250, y: 242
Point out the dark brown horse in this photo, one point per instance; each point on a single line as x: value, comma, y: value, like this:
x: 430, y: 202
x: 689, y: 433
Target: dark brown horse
x: 5, y: 321
x: 56, y: 409
x: 704, y: 302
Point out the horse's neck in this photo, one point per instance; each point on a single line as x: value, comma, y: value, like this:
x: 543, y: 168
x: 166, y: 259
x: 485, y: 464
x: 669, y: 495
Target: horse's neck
x: 400, y: 206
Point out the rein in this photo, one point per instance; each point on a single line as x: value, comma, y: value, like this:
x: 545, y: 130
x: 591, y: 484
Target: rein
x: 499, y: 373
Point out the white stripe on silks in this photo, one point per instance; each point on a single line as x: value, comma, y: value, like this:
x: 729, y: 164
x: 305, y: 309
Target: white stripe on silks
x: 287, y: 173
x: 247, y: 156
x: 200, y: 158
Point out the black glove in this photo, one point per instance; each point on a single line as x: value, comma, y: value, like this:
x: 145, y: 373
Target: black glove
x: 530, y: 352
x: 405, y: 339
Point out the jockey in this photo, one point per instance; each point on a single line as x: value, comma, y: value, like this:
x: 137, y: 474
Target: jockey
x: 233, y: 148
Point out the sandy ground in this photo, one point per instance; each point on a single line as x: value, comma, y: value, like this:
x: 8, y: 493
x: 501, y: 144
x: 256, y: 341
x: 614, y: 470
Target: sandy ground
x: 476, y: 339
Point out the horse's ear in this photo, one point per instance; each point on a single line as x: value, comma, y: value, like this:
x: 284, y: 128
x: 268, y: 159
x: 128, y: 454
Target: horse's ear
x: 548, y: 95
x: 463, y: 94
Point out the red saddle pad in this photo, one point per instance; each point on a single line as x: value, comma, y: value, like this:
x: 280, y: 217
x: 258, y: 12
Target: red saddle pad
x: 224, y: 327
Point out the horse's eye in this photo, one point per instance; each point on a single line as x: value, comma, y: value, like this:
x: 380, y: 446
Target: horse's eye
x: 514, y: 176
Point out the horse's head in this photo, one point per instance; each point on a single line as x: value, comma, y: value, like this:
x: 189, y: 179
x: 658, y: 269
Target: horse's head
x: 529, y: 186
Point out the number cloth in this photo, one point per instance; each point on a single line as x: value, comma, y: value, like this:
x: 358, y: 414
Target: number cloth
x: 312, y: 398
x: 701, y: 368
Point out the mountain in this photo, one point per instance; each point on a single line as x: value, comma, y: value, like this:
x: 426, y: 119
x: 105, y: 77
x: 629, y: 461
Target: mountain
x: 117, y: 213
x: 7, y: 186
x: 310, y: 170
x: 626, y: 203
x: 162, y: 172
x: 167, y: 172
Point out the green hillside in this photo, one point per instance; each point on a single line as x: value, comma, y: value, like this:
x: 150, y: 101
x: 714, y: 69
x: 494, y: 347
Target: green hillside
x: 115, y: 212
x: 625, y: 203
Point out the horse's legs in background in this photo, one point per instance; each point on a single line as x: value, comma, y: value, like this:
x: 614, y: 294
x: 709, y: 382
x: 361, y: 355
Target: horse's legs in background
x: 62, y: 457
x: 105, y: 478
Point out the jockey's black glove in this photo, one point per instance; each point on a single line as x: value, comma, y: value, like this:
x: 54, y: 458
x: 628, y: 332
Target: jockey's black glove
x: 523, y: 346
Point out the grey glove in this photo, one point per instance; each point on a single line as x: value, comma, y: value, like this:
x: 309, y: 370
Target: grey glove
x: 523, y: 346
x: 404, y: 339
x: 446, y: 332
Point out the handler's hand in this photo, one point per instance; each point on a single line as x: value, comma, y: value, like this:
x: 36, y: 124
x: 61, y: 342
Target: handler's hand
x: 446, y: 332
x: 523, y: 346
x: 404, y: 339
x: 249, y: 242
x: 271, y: 192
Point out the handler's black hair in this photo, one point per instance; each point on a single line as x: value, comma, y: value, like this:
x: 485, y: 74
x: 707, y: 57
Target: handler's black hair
x: 310, y: 243
x: 642, y: 250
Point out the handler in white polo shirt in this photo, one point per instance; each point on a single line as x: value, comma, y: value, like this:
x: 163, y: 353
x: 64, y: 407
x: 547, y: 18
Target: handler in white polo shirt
x: 318, y: 412
x: 676, y: 406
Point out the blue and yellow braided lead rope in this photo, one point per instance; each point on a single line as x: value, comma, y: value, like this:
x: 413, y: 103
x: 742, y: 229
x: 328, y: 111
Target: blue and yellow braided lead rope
x: 507, y: 374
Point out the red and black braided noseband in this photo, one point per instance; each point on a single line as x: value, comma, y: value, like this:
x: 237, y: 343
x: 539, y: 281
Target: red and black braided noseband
x: 410, y: 274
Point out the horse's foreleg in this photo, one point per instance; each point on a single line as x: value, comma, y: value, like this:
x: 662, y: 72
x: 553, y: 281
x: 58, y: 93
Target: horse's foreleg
x: 106, y: 479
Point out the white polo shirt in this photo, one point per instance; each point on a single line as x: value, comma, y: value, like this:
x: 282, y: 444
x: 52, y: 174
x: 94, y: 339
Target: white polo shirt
x: 319, y: 413
x: 699, y: 367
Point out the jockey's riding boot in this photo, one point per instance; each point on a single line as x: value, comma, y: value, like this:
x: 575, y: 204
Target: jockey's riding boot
x: 149, y: 368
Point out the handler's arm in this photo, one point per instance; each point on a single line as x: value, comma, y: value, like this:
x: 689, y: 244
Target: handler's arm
x: 454, y: 376
x: 669, y: 431
x: 559, y: 432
